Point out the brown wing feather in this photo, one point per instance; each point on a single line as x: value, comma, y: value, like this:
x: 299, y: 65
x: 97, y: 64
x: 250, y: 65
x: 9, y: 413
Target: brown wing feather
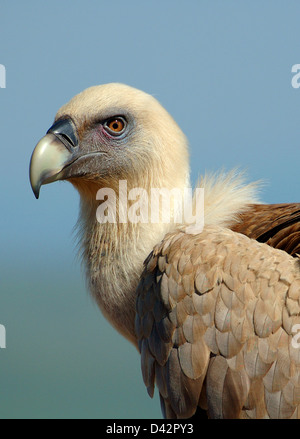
x: 275, y: 224
x: 214, y: 322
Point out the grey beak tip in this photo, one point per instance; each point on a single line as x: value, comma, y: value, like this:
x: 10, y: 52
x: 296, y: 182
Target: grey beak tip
x: 35, y: 187
x: 36, y: 191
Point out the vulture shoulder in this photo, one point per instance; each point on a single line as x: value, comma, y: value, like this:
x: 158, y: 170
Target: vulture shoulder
x: 276, y: 224
x: 215, y: 316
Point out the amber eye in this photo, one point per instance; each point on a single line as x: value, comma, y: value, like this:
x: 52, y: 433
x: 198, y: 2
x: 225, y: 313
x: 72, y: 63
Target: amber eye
x: 115, y: 125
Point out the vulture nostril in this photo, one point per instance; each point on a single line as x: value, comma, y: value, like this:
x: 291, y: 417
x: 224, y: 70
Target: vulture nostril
x: 67, y: 138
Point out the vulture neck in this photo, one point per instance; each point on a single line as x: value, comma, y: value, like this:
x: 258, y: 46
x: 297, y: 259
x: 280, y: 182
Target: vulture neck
x: 113, y: 255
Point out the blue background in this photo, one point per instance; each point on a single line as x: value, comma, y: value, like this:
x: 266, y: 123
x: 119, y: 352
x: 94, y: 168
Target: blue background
x: 221, y: 68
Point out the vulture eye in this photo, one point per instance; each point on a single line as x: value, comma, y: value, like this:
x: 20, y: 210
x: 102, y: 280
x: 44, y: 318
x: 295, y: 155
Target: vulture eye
x: 115, y: 125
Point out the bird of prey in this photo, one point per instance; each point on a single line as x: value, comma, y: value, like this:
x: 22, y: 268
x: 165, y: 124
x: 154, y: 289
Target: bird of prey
x: 214, y: 310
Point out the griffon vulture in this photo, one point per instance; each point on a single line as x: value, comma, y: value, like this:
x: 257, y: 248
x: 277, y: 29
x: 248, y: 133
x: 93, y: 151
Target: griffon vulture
x: 213, y: 312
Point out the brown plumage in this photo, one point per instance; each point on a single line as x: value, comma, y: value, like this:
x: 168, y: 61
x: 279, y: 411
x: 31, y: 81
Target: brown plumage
x: 277, y: 224
x: 214, y: 321
x: 212, y: 311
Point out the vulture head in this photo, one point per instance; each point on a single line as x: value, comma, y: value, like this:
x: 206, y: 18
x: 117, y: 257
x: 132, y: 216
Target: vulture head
x: 106, y: 134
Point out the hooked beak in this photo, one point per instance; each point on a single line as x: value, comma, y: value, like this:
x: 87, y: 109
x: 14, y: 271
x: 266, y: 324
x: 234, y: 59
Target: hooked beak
x: 56, y: 150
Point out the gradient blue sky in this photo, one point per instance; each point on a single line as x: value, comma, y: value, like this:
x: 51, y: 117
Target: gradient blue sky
x: 221, y: 68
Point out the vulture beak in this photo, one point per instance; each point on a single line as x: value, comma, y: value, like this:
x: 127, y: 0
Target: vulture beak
x: 56, y: 150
